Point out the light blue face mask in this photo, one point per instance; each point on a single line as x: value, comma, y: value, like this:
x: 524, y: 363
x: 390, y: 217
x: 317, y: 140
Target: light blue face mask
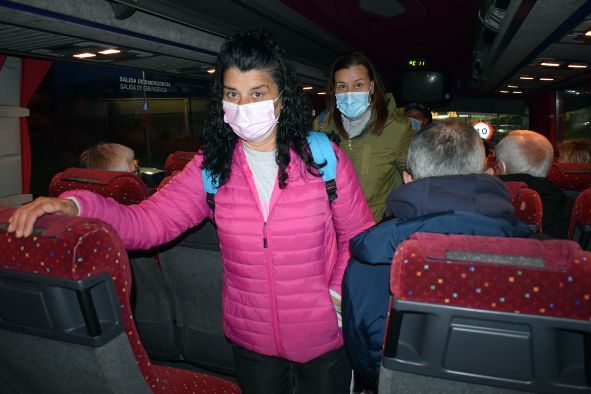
x: 352, y: 104
x: 415, y: 124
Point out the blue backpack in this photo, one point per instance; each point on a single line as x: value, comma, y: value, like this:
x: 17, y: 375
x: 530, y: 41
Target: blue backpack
x: 321, y: 150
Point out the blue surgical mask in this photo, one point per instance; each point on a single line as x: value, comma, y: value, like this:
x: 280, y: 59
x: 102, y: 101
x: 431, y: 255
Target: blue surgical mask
x: 352, y: 104
x: 415, y: 124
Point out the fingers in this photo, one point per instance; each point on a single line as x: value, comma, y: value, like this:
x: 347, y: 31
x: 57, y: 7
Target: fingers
x: 24, y: 218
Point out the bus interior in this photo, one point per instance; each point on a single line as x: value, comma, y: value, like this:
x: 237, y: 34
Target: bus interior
x: 74, y: 73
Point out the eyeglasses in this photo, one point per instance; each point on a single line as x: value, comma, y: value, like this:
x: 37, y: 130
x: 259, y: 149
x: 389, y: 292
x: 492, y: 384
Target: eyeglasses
x: 137, y: 171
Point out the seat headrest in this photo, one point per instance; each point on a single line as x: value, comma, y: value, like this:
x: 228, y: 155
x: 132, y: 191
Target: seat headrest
x: 124, y: 187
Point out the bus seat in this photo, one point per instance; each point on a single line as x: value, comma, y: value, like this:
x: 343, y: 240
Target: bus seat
x: 65, y: 316
x: 192, y: 266
x: 488, y: 315
x: 166, y: 179
x: 151, y: 300
x: 125, y: 187
x: 177, y: 161
x: 527, y: 204
x: 580, y: 221
x: 570, y: 177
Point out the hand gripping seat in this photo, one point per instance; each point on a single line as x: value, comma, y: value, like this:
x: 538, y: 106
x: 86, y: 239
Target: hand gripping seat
x: 488, y: 315
x: 125, y: 187
x: 580, y: 221
x: 151, y: 300
x: 570, y: 177
x: 177, y: 161
x: 527, y: 204
x: 65, y: 316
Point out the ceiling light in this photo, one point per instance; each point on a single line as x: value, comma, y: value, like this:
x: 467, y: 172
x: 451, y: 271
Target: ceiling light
x: 517, y: 92
x: 84, y: 55
x: 546, y: 79
x: 109, y: 51
x: 550, y: 64
x: 525, y: 77
x: 308, y: 87
x: 503, y: 91
x: 211, y: 70
x: 577, y: 65
x: 321, y: 93
x: 512, y: 86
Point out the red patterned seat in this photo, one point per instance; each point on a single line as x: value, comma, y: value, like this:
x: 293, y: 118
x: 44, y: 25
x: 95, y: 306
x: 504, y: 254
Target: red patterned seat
x: 527, y: 204
x: 471, y: 311
x: 69, y: 252
x: 177, y: 161
x: 125, y: 187
x: 570, y: 176
x: 580, y: 221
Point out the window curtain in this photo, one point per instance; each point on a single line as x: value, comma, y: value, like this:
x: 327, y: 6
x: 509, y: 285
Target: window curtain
x: 542, y: 115
x: 32, y: 73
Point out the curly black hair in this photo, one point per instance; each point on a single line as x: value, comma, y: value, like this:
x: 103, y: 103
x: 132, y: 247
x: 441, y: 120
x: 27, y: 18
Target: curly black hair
x: 256, y: 50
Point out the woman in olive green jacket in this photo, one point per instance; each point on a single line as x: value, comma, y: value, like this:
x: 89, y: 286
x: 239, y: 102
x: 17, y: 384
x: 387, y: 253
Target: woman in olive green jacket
x: 375, y: 135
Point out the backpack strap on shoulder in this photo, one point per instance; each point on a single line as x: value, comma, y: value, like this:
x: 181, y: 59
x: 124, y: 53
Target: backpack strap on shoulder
x: 210, y: 186
x: 322, y: 151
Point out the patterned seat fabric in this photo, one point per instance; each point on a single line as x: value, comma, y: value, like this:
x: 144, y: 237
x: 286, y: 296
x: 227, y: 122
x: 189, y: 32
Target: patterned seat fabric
x: 527, y: 204
x: 570, y: 176
x: 579, y: 229
x: 125, y: 187
x: 76, y: 248
x: 549, y: 278
x: 177, y: 161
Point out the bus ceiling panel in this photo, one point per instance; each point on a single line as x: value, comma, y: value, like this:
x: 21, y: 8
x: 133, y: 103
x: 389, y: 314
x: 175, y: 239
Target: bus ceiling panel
x: 96, y: 21
x: 305, y: 41
x: 539, y: 23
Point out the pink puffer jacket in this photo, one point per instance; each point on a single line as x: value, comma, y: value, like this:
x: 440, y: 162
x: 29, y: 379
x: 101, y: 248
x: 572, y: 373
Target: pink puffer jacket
x: 277, y: 274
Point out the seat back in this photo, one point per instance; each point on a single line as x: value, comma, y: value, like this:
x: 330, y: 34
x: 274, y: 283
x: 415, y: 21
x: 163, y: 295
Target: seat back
x: 580, y: 221
x: 488, y: 314
x: 177, y: 161
x: 570, y: 177
x: 527, y: 204
x: 65, y: 316
x: 152, y: 302
x: 192, y: 267
x: 125, y: 187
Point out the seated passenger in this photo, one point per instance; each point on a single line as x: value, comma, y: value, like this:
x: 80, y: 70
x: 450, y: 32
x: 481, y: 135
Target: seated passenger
x: 117, y: 157
x: 575, y: 151
x: 526, y: 156
x: 419, y: 115
x: 108, y: 156
x: 445, y: 191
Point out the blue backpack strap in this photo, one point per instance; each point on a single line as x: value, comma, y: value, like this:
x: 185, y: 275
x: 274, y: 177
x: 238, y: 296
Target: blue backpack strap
x: 322, y: 151
x: 210, y: 186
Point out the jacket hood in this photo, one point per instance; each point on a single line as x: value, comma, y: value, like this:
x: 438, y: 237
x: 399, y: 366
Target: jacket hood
x: 477, y: 193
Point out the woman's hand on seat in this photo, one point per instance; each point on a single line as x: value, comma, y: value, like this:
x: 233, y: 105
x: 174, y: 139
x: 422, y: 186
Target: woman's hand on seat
x: 23, y: 219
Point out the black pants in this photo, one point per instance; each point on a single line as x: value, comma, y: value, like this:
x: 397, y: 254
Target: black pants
x: 326, y: 374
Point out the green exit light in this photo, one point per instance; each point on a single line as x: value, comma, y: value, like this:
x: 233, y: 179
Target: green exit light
x: 417, y: 63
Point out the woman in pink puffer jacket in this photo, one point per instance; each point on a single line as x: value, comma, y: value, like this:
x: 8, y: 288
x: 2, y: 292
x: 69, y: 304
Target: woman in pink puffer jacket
x: 284, y: 244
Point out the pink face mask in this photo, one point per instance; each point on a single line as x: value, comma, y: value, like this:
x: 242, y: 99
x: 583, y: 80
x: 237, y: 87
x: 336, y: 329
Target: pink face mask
x: 251, y: 121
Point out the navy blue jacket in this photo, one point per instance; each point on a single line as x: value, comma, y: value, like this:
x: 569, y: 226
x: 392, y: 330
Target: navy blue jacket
x: 464, y: 204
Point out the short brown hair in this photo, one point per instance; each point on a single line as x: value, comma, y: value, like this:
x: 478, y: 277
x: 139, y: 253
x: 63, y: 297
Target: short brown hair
x: 107, y: 156
x: 575, y: 151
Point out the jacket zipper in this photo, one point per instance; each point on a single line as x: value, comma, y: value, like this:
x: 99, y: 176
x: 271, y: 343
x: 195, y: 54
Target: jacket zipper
x: 272, y: 287
x: 350, y: 145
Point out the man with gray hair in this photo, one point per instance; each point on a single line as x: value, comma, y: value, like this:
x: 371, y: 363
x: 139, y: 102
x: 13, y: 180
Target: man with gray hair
x: 445, y: 191
x: 526, y: 156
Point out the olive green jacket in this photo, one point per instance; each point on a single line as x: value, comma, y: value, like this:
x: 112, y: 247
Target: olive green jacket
x: 378, y: 160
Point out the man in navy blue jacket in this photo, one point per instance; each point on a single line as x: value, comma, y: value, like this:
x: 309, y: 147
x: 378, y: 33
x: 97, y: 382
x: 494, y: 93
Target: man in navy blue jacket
x: 445, y: 191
